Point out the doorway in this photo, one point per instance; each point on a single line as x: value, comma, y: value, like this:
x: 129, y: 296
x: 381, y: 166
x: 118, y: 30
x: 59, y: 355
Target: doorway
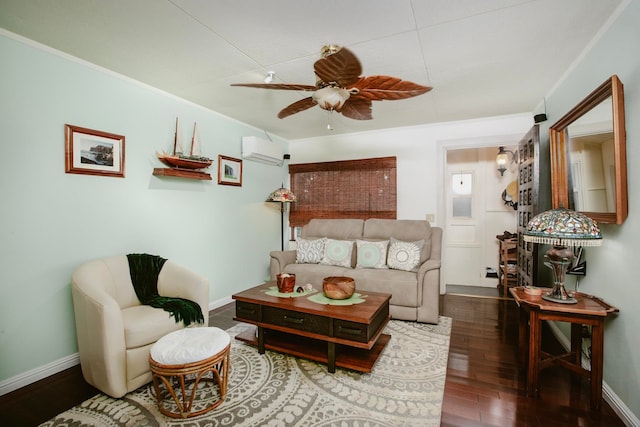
x: 479, y: 204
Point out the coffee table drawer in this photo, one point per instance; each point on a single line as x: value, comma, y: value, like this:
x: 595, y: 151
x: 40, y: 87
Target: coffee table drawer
x: 351, y: 331
x: 360, y: 332
x: 247, y: 310
x: 296, y: 320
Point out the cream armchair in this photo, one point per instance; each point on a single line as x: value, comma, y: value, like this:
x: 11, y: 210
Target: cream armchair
x: 114, y: 330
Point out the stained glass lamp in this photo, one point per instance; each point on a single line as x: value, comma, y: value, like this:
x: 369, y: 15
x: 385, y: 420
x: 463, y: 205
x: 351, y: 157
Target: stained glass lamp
x: 562, y: 228
x: 281, y: 195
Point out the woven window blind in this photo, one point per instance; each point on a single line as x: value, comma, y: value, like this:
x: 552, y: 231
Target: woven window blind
x: 363, y: 189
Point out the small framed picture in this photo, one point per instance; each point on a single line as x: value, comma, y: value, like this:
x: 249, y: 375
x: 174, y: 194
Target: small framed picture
x: 93, y: 152
x: 229, y: 171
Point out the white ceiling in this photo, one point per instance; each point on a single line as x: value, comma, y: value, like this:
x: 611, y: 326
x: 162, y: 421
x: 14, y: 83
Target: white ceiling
x: 482, y: 57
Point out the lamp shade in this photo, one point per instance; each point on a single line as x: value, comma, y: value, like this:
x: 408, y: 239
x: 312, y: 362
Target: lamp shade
x: 563, y: 227
x: 282, y: 195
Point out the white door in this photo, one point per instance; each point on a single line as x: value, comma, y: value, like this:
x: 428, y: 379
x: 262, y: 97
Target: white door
x: 475, y: 214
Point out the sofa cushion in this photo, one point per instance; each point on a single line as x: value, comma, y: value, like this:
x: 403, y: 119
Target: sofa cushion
x: 402, y: 285
x: 407, y: 230
x: 333, y: 229
x: 144, y: 325
x: 404, y: 255
x: 309, y: 251
x: 371, y: 254
x: 337, y: 252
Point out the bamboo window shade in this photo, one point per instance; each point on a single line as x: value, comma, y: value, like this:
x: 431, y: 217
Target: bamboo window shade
x: 360, y: 189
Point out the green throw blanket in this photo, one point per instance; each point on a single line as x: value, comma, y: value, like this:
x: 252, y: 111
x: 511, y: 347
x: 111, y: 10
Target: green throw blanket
x: 144, y: 270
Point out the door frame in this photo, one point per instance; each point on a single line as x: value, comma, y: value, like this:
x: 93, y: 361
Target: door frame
x: 443, y: 146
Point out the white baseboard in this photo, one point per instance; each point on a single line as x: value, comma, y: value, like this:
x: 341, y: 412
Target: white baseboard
x: 220, y: 303
x: 618, y: 406
x: 39, y: 373
x: 29, y: 377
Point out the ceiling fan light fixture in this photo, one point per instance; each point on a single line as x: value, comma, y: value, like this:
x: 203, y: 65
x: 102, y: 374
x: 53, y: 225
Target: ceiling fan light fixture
x: 341, y: 87
x: 329, y: 49
x: 331, y: 98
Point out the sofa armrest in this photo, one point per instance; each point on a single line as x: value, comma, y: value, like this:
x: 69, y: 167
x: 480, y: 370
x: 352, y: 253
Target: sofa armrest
x: 430, y: 264
x: 429, y: 286
x: 99, y: 329
x: 279, y: 260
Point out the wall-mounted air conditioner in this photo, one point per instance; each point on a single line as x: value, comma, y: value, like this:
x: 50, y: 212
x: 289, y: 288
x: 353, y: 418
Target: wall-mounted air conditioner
x: 263, y: 151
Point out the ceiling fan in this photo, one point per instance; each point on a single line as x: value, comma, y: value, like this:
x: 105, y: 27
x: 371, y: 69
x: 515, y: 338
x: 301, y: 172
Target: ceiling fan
x: 340, y: 87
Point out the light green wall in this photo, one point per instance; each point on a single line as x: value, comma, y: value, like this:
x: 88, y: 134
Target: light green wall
x: 611, y: 272
x: 50, y: 221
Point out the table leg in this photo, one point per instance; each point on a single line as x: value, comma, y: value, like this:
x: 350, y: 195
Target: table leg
x: 533, y: 366
x: 260, y: 340
x: 576, y: 343
x: 523, y: 335
x: 597, y: 348
x: 331, y: 356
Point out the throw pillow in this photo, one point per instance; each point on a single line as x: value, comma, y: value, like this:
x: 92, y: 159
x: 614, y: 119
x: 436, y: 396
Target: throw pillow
x: 404, y: 255
x: 337, y: 252
x: 372, y: 254
x: 309, y: 251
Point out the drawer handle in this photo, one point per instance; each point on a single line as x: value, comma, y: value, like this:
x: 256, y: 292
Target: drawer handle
x: 350, y: 331
x: 246, y: 310
x: 296, y: 320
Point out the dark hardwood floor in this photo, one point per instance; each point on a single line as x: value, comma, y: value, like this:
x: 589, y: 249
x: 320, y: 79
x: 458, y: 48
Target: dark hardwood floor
x: 484, y: 385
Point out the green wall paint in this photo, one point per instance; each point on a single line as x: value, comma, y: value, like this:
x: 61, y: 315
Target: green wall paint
x: 50, y: 221
x: 611, y: 273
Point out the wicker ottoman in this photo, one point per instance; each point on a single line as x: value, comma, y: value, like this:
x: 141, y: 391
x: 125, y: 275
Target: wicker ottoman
x: 180, y: 361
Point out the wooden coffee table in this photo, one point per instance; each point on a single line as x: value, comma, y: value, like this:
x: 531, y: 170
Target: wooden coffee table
x: 347, y: 336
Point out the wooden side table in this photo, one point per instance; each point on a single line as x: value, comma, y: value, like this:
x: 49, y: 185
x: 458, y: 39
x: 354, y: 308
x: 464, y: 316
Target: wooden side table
x: 589, y: 310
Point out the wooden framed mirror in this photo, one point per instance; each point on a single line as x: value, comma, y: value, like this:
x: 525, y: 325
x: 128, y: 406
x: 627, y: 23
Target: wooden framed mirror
x: 589, y: 156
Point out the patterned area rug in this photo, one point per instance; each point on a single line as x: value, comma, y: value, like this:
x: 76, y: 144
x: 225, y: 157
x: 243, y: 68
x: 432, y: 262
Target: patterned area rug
x: 405, y: 388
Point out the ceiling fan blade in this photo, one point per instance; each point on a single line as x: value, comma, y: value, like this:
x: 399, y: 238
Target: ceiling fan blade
x: 357, y: 108
x: 281, y: 86
x: 296, y: 107
x: 342, y: 67
x: 378, y: 88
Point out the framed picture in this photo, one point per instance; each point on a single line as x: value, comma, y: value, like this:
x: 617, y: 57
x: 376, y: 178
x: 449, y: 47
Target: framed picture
x: 229, y: 171
x: 93, y: 152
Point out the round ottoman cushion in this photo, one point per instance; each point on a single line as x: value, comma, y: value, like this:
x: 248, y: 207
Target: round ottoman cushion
x: 189, y: 345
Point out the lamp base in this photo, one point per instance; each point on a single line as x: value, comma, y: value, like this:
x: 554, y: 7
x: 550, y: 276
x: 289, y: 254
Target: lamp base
x: 560, y: 258
x: 569, y: 300
x: 559, y: 295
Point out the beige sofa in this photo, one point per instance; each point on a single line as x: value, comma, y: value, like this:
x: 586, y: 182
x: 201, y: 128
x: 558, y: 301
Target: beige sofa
x: 115, y: 331
x: 415, y: 294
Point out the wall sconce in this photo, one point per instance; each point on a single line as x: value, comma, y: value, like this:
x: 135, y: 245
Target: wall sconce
x: 502, y: 159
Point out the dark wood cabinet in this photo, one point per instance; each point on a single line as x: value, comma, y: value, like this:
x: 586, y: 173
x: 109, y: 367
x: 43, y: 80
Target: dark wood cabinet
x: 528, y: 203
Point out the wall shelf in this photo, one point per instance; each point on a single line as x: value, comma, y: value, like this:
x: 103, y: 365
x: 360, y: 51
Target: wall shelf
x: 182, y: 173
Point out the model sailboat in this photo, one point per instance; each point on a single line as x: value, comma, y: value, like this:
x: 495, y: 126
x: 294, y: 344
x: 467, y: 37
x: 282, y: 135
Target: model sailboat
x: 193, y: 161
x: 182, y: 165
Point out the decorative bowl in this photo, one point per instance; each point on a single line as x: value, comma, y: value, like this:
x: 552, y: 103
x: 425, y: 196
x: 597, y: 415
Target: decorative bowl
x: 338, y: 287
x: 286, y: 282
